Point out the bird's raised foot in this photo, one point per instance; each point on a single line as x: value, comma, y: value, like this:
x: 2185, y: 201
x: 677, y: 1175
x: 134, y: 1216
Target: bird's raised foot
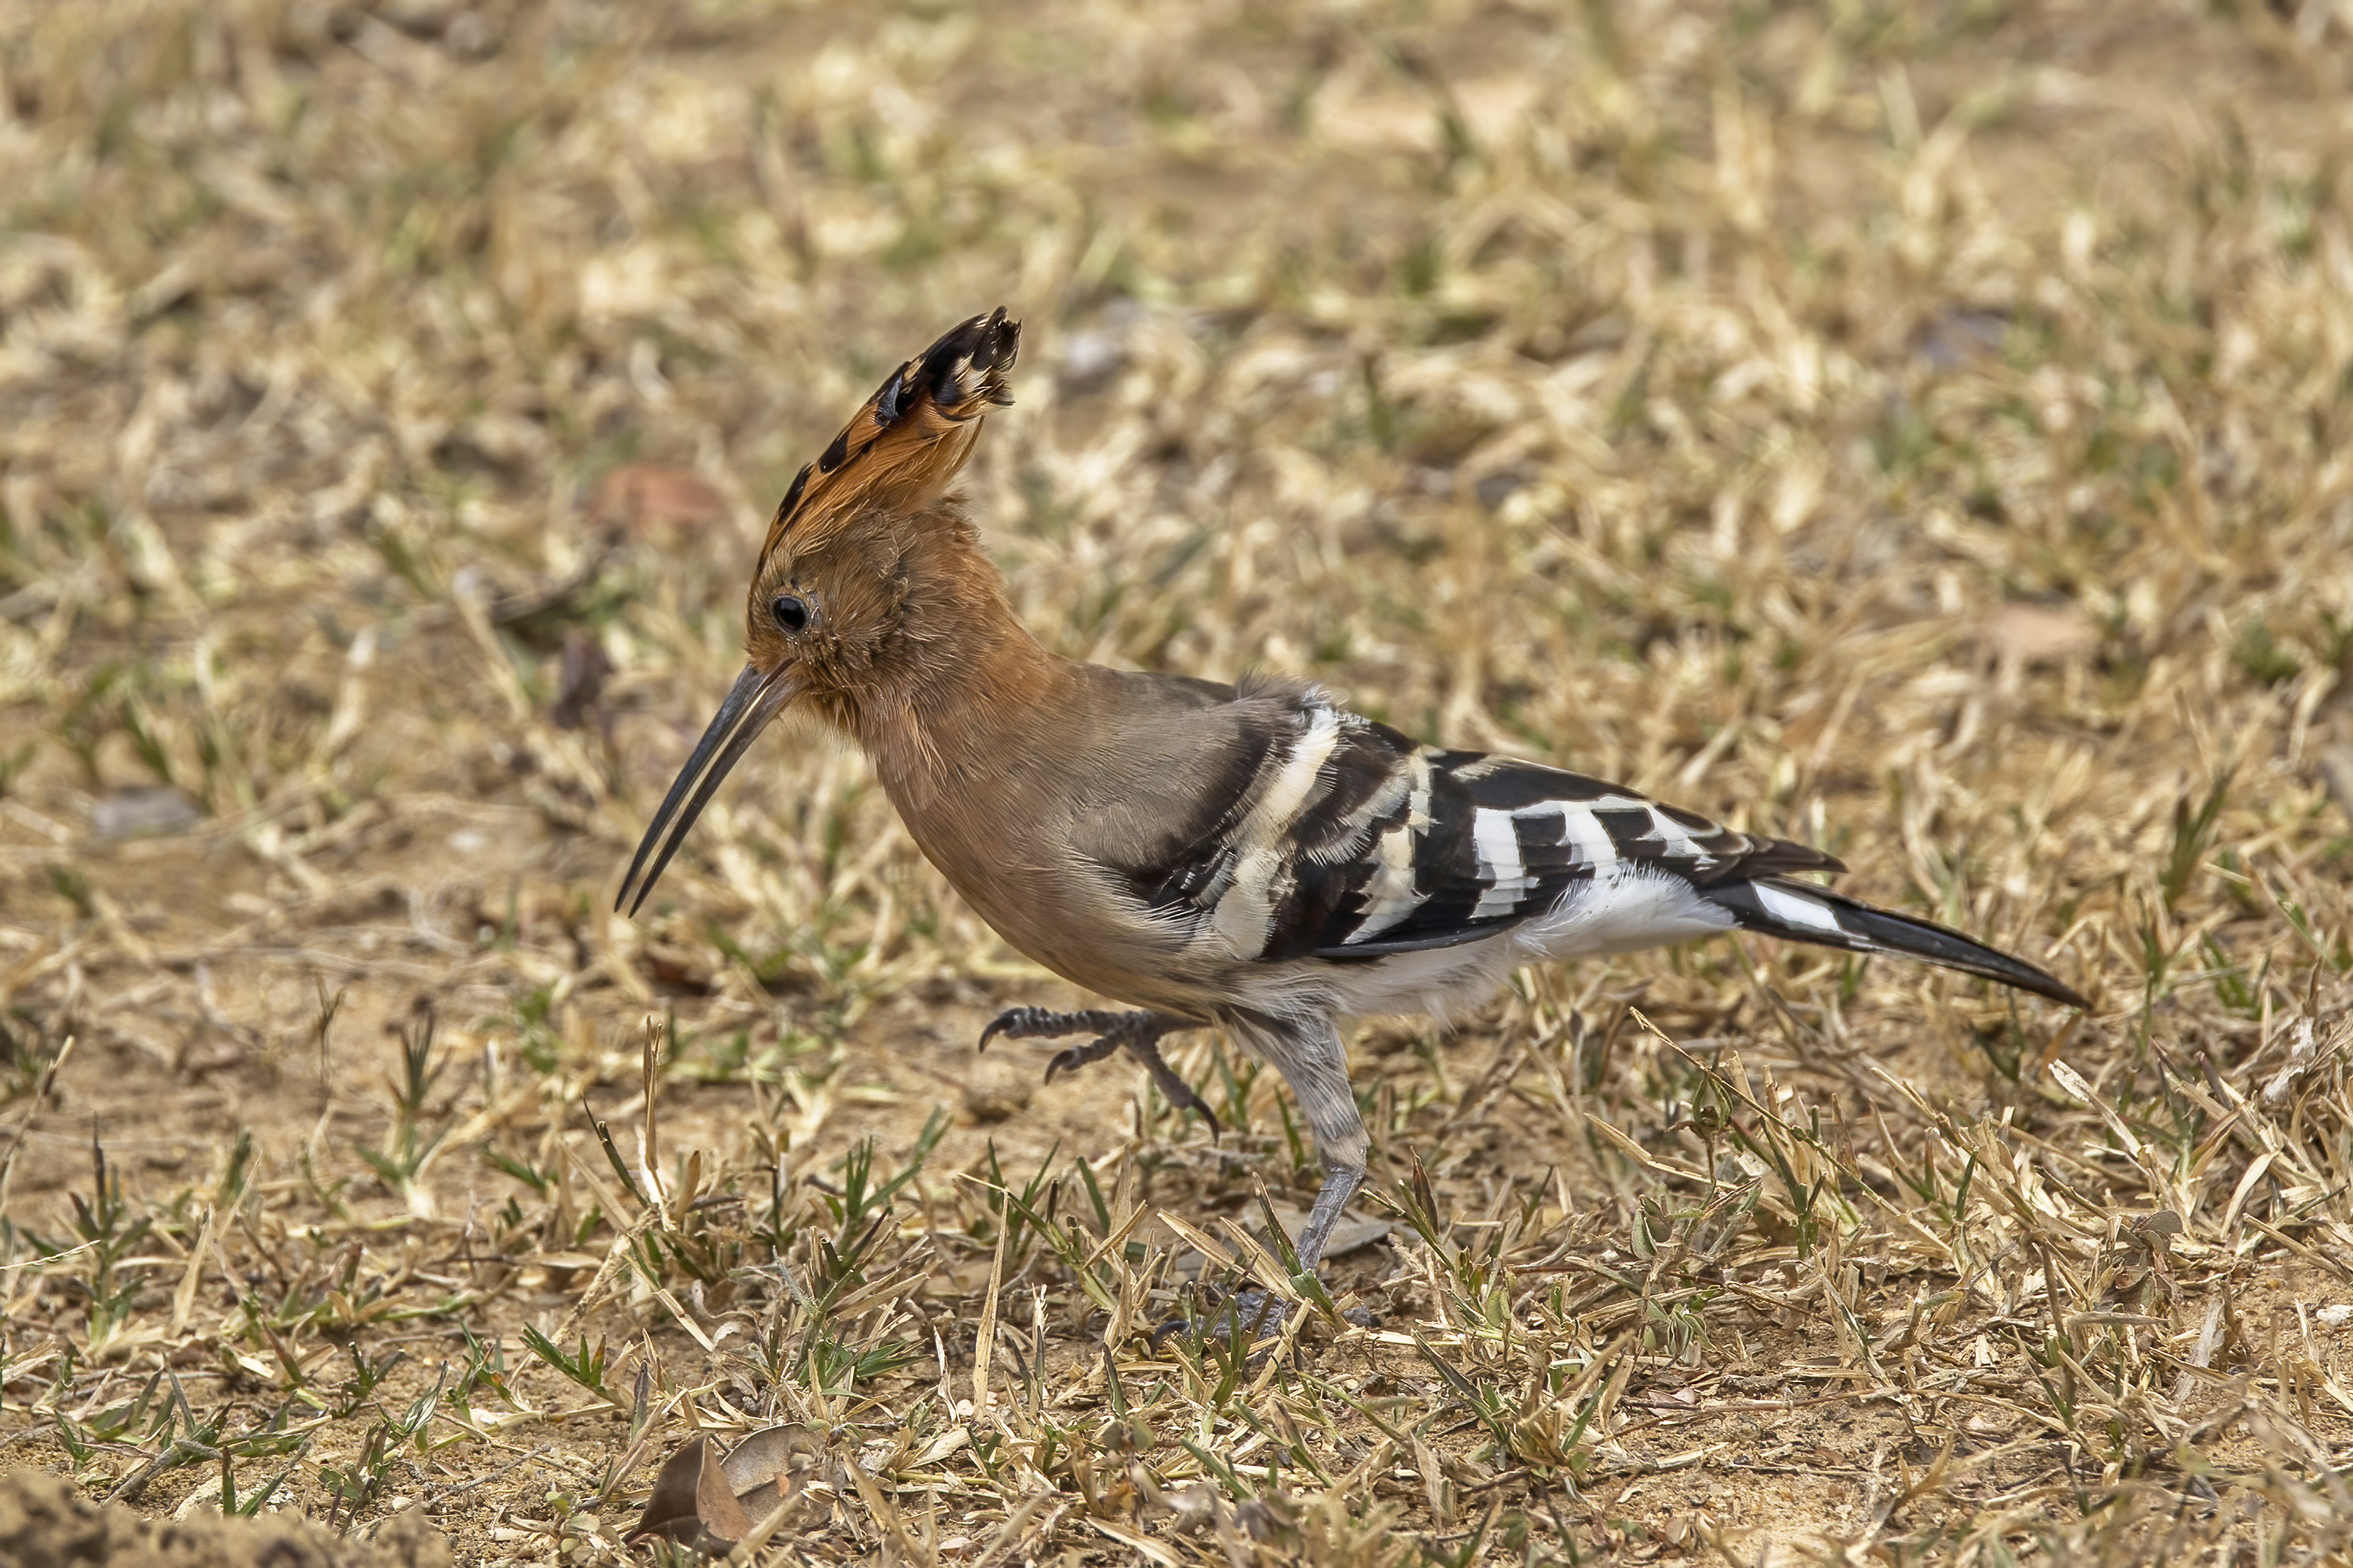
x: 1137, y: 1033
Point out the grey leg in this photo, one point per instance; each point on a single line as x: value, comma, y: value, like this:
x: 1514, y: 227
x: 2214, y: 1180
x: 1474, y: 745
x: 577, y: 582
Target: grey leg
x: 1340, y: 1184
x: 1136, y: 1033
x: 1314, y: 1062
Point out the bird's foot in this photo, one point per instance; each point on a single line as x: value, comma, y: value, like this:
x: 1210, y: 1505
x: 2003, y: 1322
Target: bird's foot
x: 1136, y: 1033
x: 1254, y: 1314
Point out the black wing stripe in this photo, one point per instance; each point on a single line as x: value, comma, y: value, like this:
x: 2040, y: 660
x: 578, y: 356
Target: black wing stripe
x: 1507, y: 785
x: 1203, y: 850
x: 1361, y: 786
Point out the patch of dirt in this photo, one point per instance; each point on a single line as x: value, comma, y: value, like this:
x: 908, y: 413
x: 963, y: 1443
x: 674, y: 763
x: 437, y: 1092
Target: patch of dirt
x: 45, y: 1522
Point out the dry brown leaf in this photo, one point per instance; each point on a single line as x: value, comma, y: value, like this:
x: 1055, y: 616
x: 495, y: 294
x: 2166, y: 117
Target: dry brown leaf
x: 646, y: 499
x: 771, y: 1464
x: 692, y: 1502
x: 2039, y: 634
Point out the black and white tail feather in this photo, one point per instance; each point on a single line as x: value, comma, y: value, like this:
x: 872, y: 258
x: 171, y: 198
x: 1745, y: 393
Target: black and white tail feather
x: 1351, y: 848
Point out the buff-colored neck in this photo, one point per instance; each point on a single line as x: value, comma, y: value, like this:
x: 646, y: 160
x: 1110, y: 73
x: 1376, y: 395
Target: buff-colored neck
x: 966, y: 687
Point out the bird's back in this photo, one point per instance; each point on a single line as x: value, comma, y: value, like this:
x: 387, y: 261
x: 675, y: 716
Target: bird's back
x: 1209, y: 843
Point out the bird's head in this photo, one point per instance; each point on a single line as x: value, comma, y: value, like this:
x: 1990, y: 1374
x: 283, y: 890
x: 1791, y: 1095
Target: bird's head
x: 842, y: 603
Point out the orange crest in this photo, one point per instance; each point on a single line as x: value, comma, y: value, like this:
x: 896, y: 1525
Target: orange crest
x: 909, y: 439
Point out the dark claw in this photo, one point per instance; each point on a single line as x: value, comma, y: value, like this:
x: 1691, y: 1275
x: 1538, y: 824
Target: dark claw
x: 1040, y: 1024
x: 1193, y: 1102
x: 1014, y: 1022
x: 1174, y: 1089
x: 1077, y: 1057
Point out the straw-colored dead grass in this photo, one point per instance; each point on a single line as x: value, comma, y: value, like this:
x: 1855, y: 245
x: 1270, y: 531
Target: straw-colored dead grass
x: 1919, y: 429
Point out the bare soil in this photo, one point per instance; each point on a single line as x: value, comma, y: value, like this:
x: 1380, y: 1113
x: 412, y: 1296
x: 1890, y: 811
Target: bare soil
x: 46, y: 1523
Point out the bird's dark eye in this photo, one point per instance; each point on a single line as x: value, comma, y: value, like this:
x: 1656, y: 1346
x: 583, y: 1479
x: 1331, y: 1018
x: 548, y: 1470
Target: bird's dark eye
x: 791, y: 612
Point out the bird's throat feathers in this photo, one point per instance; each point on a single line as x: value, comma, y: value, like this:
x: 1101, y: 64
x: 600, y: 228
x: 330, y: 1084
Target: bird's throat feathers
x: 955, y: 678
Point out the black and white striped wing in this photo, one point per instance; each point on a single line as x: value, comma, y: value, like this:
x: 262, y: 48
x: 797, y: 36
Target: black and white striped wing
x: 1479, y: 844
x: 1344, y: 839
x: 1452, y: 846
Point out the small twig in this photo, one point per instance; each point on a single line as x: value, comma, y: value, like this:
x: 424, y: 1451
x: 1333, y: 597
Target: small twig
x: 435, y: 1503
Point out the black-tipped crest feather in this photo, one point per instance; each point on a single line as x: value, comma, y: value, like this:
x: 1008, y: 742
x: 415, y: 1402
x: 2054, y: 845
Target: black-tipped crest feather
x: 931, y: 402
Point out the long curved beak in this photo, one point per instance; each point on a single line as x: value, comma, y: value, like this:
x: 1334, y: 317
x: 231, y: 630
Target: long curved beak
x: 755, y: 699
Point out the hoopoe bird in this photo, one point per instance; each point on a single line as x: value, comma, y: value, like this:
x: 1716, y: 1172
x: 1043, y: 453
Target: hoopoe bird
x: 1253, y: 858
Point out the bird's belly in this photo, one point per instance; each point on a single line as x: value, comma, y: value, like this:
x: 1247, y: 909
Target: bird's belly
x: 1624, y: 911
x: 1068, y: 924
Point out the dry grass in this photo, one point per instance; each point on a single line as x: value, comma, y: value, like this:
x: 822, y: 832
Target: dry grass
x: 1918, y: 429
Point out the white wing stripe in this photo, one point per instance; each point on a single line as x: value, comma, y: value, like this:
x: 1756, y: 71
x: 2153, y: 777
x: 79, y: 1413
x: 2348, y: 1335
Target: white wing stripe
x: 1390, y: 896
x: 1791, y: 908
x: 1245, y: 917
x: 1497, y: 844
x: 1417, y: 805
x: 1583, y: 832
x: 1676, y: 838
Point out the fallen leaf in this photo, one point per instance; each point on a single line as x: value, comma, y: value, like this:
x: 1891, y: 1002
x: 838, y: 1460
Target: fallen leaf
x: 765, y: 1466
x: 2336, y: 773
x: 2039, y: 634
x: 642, y: 497
x: 154, y: 809
x: 1955, y: 337
x: 692, y: 1502
x: 580, y: 679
